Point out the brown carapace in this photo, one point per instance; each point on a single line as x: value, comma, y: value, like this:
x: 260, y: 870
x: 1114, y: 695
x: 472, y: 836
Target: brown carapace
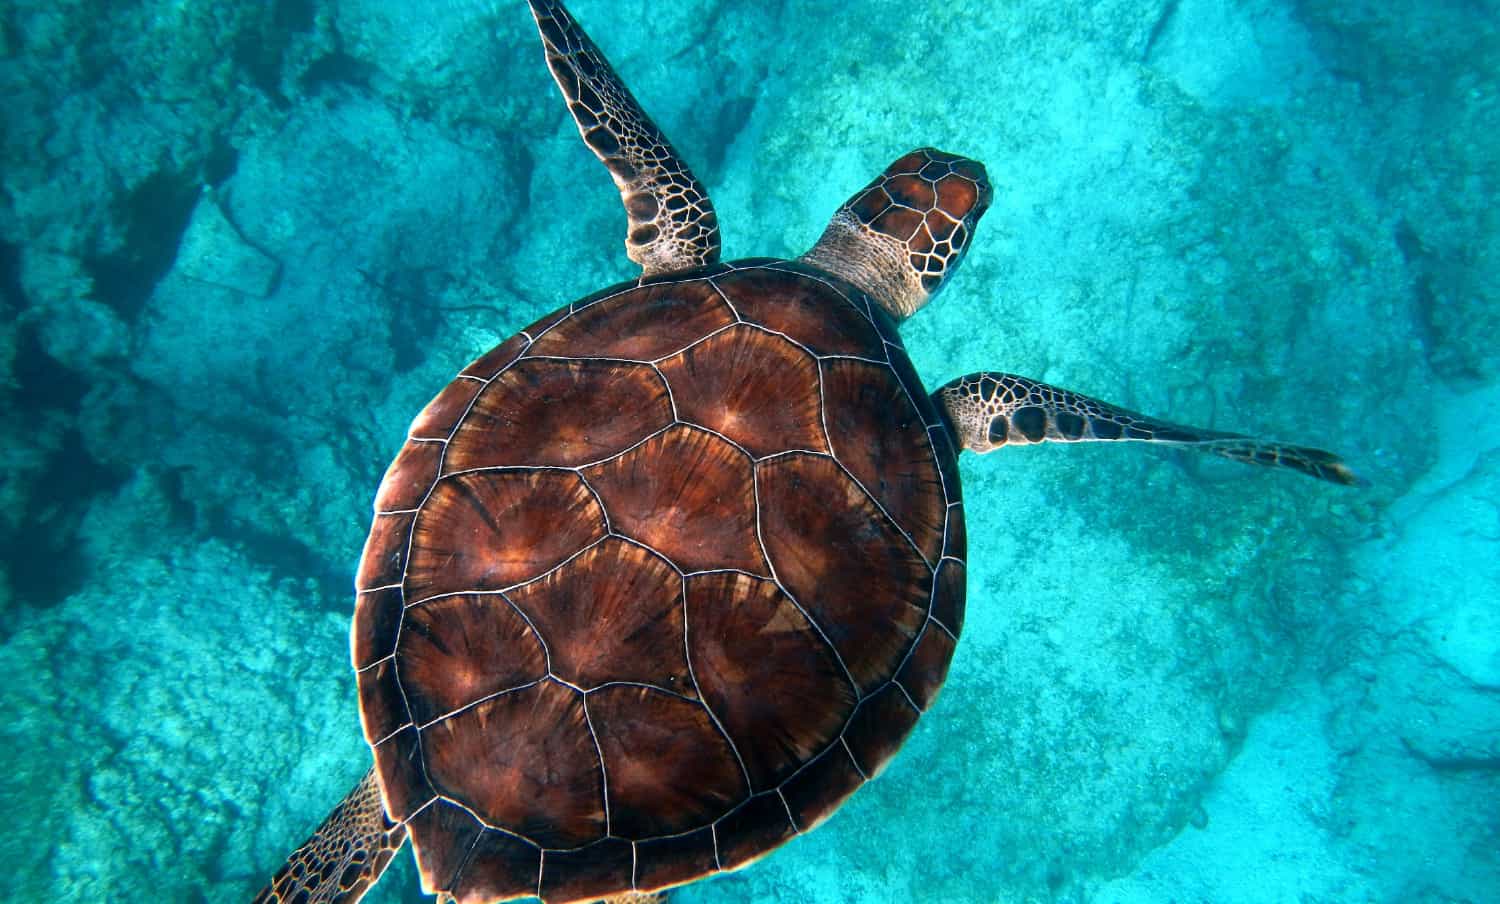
x: 653, y: 586
x: 656, y: 584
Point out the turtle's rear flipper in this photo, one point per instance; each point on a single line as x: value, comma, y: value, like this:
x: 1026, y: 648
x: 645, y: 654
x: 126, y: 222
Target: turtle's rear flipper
x: 989, y: 410
x: 672, y: 222
x: 344, y: 857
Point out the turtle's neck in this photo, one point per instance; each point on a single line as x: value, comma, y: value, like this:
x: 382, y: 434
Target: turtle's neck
x: 874, y: 262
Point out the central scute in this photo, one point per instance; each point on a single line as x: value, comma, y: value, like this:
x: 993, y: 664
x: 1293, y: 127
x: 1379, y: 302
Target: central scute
x: 656, y: 584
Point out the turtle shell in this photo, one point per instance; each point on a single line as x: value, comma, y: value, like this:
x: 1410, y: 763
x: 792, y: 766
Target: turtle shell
x: 654, y: 585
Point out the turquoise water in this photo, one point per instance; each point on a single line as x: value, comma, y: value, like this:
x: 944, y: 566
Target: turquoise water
x: 1179, y: 680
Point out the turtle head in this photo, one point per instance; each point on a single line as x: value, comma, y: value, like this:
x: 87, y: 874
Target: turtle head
x: 902, y: 235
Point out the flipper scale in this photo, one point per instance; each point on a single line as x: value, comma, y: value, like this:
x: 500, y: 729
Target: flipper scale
x: 339, y: 862
x: 672, y: 222
x: 987, y: 410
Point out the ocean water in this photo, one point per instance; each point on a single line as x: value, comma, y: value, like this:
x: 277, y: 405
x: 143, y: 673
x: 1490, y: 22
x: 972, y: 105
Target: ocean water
x: 241, y: 244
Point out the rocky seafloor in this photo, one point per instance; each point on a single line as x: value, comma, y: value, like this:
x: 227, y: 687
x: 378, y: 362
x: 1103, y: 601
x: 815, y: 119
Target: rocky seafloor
x: 241, y: 244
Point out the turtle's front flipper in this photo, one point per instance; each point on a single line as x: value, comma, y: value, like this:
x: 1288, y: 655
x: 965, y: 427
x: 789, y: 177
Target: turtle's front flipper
x: 989, y: 410
x: 344, y: 857
x: 672, y: 222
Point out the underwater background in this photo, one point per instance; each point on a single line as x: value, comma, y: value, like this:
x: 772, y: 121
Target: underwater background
x: 241, y: 244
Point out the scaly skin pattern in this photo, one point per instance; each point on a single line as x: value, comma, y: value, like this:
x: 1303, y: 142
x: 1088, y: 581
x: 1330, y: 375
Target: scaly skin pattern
x: 900, y: 237
x: 988, y: 410
x: 672, y: 223
x: 344, y: 857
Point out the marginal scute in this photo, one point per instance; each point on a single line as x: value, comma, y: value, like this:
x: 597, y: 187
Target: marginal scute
x: 844, y: 562
x: 492, y: 529
x: 384, y: 708
x: 815, y: 792
x: 441, y: 837
x: 612, y: 613
x: 499, y: 867
x: 524, y: 762
x: 750, y: 832
x: 753, y: 387
x: 804, y: 309
x: 879, y: 726
x: 486, y: 366
x: 589, y: 873
x: 765, y: 672
x: 687, y: 494
x: 669, y: 768
x: 539, y: 327
x: 947, y: 460
x: 377, y: 617
x: 922, y: 675
x: 560, y: 413
x: 642, y: 325
x: 907, y: 374
x: 403, y: 783
x: 668, y: 861
x: 409, y: 477
x: 456, y: 650
x: 956, y: 543
x: 384, y: 555
x: 948, y: 595
x: 438, y: 419
x: 878, y: 434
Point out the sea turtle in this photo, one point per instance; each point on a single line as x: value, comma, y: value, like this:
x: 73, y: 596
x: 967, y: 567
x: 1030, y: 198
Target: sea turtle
x: 657, y: 583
